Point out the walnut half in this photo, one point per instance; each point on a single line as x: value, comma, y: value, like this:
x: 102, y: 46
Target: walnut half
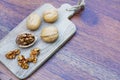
x: 33, y: 55
x: 12, y: 54
x: 23, y: 62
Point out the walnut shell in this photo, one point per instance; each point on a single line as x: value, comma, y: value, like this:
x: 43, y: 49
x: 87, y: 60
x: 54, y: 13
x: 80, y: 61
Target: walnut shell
x: 49, y: 34
x: 33, y: 22
x: 50, y: 15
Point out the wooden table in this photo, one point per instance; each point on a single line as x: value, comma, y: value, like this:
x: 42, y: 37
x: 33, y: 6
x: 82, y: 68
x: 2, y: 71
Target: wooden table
x: 93, y: 53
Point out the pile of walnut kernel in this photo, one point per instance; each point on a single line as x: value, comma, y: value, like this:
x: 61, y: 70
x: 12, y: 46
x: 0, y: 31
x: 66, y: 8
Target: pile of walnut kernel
x: 22, y: 61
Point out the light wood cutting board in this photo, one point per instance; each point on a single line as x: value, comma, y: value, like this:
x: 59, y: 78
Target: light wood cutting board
x: 65, y: 27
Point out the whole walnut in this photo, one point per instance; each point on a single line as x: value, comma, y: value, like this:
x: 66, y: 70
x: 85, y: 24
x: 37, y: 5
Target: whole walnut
x: 50, y: 15
x: 33, y: 21
x: 49, y: 34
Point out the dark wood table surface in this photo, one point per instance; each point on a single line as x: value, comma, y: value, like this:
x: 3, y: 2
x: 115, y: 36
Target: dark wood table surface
x: 93, y: 53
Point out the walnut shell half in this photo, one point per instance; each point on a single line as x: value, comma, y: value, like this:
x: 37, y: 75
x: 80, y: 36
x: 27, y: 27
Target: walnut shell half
x: 25, y: 40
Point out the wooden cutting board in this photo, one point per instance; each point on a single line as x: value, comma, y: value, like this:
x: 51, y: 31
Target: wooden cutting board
x: 65, y: 27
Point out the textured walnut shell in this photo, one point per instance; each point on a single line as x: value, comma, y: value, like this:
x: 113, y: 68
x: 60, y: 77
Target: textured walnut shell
x: 50, y: 15
x: 49, y: 34
x: 33, y: 22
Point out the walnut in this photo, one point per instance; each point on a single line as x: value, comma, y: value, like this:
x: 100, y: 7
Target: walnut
x: 25, y: 39
x: 33, y: 55
x: 23, y: 62
x: 35, y: 51
x: 33, y: 22
x: 50, y: 15
x: 49, y: 34
x: 12, y: 54
x: 32, y: 58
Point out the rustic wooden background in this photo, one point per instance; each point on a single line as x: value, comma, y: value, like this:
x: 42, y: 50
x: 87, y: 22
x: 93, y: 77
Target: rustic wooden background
x: 93, y: 53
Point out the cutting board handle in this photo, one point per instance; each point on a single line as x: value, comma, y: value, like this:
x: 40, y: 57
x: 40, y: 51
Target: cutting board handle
x: 71, y: 10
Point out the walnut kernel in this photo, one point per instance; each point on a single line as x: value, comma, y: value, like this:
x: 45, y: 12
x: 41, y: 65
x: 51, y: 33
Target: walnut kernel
x: 12, y: 54
x: 33, y: 55
x: 23, y: 62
